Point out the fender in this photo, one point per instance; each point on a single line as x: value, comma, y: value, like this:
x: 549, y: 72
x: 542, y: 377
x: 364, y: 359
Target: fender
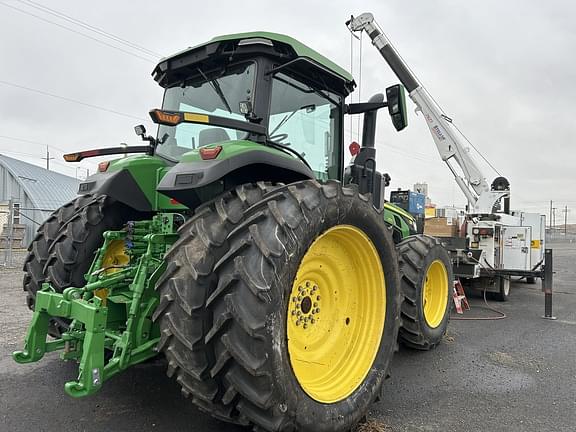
x: 187, y: 180
x: 120, y: 186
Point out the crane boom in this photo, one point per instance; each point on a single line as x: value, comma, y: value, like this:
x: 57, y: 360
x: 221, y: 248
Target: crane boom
x: 450, y: 142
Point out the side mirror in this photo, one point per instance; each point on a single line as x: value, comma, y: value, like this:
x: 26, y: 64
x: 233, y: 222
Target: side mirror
x: 397, y: 106
x: 140, y: 130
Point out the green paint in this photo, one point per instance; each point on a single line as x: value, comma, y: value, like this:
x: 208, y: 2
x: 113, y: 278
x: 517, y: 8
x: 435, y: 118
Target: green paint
x: 234, y: 148
x: 127, y: 332
x: 145, y: 170
x: 299, y: 48
x: 403, y: 220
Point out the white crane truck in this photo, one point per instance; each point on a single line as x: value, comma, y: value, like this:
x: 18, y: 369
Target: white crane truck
x: 495, y: 243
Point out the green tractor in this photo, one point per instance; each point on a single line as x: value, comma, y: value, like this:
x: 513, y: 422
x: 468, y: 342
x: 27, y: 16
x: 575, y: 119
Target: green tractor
x: 275, y: 281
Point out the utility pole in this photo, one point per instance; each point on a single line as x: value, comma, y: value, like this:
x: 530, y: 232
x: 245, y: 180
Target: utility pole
x: 554, y: 217
x: 565, y: 210
x: 550, y: 223
x: 47, y: 158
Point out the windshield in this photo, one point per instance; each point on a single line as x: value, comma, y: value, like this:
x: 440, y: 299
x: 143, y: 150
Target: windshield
x: 307, y: 121
x: 217, y: 93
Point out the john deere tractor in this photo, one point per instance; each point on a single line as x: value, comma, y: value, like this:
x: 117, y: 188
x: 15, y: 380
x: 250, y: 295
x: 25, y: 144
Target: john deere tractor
x: 274, y: 280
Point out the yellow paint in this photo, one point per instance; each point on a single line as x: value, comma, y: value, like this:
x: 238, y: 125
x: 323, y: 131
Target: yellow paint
x: 535, y: 244
x: 435, y: 293
x: 199, y: 118
x: 336, y: 314
x: 113, y: 261
x: 430, y: 212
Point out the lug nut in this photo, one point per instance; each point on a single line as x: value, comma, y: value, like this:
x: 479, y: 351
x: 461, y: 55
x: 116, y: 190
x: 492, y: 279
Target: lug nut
x: 298, y: 313
x: 298, y: 322
x: 293, y: 312
x: 294, y: 299
x: 317, y: 310
x: 315, y: 304
x: 312, y: 320
x: 307, y: 284
x: 305, y: 325
x: 299, y: 298
x: 318, y: 298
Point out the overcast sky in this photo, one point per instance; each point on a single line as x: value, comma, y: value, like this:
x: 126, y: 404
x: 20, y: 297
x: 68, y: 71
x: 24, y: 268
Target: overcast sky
x: 504, y: 70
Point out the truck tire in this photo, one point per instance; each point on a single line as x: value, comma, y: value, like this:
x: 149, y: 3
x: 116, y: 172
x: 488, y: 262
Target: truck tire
x: 427, y: 280
x: 186, y: 285
x: 305, y: 315
x: 64, y: 246
x: 503, y: 286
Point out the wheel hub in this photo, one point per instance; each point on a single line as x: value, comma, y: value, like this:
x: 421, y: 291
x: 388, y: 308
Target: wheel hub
x: 304, y: 308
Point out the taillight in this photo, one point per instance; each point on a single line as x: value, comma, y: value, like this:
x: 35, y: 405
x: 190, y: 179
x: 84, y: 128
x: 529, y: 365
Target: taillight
x: 208, y: 153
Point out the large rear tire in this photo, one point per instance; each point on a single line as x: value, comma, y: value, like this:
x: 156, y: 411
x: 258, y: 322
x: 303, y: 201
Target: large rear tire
x: 184, y: 288
x: 330, y: 245
x: 427, y: 280
x: 63, y: 249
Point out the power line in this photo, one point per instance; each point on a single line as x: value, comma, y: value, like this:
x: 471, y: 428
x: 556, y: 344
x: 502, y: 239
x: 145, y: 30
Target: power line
x: 35, y: 156
x: 42, y: 92
x: 90, y: 27
x: 11, y: 138
x: 77, y: 32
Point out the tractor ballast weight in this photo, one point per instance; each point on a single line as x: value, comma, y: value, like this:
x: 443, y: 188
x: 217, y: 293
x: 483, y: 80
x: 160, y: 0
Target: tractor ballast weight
x: 237, y: 243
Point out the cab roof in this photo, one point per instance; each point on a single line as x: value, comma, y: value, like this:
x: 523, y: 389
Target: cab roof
x: 284, y: 47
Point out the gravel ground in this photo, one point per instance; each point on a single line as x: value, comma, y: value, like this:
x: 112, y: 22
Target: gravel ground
x: 515, y: 374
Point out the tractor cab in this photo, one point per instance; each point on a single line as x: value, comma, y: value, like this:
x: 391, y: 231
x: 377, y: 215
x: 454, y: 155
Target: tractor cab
x: 265, y: 88
x: 256, y: 106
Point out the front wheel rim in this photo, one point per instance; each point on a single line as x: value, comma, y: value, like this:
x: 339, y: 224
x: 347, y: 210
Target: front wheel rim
x: 336, y: 314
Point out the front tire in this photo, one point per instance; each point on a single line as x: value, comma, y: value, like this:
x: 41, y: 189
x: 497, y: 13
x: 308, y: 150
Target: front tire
x: 427, y: 283
x: 63, y: 249
x: 331, y: 246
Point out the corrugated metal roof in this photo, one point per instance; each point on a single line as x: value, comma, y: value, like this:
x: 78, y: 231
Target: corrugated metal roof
x: 47, y: 190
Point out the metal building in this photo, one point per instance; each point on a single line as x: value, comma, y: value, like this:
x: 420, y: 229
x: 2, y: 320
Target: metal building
x: 35, y: 193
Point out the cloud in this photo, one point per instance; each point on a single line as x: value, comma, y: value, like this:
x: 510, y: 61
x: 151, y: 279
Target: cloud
x: 503, y: 70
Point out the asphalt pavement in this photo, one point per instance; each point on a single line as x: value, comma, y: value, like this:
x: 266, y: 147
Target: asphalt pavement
x: 514, y: 374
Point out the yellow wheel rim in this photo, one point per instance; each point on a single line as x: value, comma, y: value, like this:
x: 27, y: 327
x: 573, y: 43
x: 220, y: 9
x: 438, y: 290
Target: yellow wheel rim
x: 114, y: 258
x: 435, y: 293
x: 336, y: 314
